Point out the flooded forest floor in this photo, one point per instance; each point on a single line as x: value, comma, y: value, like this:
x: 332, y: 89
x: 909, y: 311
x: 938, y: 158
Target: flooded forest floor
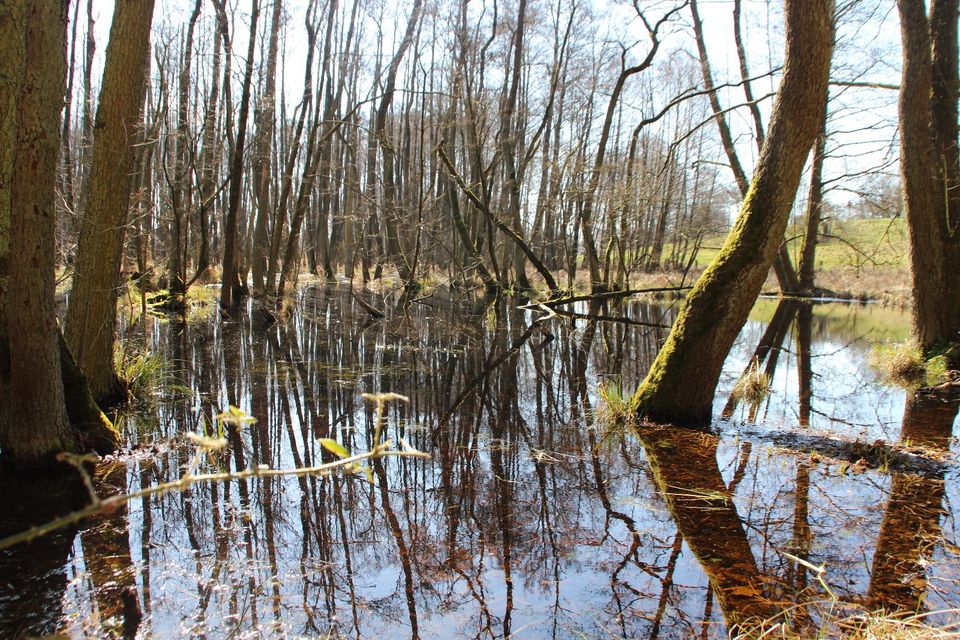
x: 542, y: 512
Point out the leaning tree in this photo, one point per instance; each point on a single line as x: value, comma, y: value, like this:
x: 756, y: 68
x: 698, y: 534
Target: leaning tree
x: 92, y: 314
x: 681, y: 382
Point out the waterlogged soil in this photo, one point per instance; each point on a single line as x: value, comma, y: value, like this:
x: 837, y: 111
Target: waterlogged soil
x: 540, y: 514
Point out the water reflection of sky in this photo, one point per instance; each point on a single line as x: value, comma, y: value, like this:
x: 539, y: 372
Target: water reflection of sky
x: 534, y: 518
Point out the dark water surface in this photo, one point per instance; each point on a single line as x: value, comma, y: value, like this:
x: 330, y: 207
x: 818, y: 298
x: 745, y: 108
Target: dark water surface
x: 537, y: 517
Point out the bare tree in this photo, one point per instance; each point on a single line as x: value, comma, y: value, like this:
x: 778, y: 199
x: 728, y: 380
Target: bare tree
x: 232, y: 289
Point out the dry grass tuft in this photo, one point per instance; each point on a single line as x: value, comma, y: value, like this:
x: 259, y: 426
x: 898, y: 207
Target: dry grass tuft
x: 876, y: 625
x: 753, y: 387
x: 202, y: 303
x: 613, y: 406
x: 901, y: 364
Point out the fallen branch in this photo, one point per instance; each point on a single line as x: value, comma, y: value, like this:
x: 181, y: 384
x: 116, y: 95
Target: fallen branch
x: 204, y: 445
x: 605, y: 295
x: 369, y: 308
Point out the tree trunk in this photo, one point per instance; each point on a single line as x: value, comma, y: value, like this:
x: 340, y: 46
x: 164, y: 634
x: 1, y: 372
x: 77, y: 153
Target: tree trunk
x: 783, y: 267
x: 808, y: 253
x: 262, y: 144
x: 684, y: 376
x: 286, y: 183
x: 180, y: 189
x: 209, y: 155
x: 33, y: 418
x: 92, y: 315
x: 930, y: 169
x: 231, y: 287
x: 390, y: 200
x: 509, y: 132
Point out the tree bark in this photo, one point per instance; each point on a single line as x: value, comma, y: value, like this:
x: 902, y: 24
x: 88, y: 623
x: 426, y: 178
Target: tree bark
x: 930, y: 169
x: 262, y: 144
x: 286, y: 183
x: 808, y: 253
x: 209, y: 155
x: 390, y: 200
x: 92, y: 314
x: 231, y: 287
x: 33, y: 418
x: 682, y: 380
x: 180, y: 189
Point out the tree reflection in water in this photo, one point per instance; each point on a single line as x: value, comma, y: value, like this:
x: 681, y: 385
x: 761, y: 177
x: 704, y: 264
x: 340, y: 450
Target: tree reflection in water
x: 535, y: 519
x: 911, y: 530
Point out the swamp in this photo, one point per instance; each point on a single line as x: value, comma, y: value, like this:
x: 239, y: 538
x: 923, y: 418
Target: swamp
x: 498, y: 319
x: 540, y: 514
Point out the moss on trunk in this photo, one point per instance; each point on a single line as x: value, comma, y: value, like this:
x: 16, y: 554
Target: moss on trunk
x: 683, y: 378
x: 94, y: 429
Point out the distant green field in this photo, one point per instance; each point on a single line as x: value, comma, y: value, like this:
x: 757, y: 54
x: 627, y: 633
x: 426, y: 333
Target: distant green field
x: 844, y: 244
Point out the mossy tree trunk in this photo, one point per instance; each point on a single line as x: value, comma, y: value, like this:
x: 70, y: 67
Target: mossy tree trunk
x: 681, y: 383
x: 930, y: 166
x: 92, y: 314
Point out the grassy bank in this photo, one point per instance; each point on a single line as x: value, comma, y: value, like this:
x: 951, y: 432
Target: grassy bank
x: 861, y: 259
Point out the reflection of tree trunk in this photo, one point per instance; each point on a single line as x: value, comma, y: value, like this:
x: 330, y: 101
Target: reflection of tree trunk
x: 402, y: 550
x: 802, y: 536
x: 688, y: 478
x: 769, y: 345
x: 34, y: 574
x: 804, y: 365
x: 106, y: 553
x: 911, y: 522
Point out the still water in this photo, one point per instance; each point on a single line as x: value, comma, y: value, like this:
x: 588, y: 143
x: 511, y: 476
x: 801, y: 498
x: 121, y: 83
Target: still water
x: 538, y: 516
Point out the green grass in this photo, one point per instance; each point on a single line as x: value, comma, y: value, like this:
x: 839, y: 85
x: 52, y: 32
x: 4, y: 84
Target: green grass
x: 874, y: 243
x: 860, y: 259
x: 614, y: 404
x: 144, y: 375
x: 857, y: 244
